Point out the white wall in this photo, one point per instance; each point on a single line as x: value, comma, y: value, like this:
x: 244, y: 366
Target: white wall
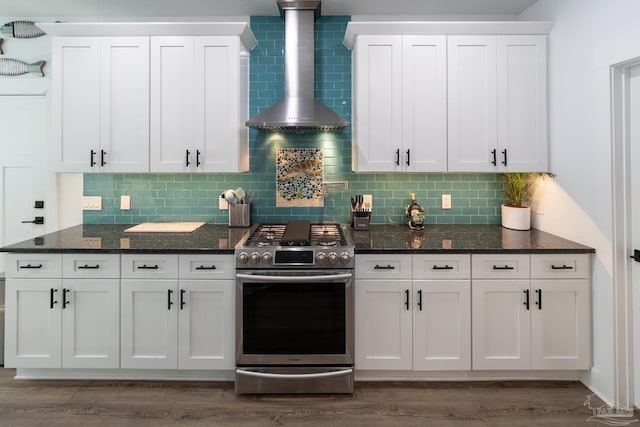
x: 588, y: 37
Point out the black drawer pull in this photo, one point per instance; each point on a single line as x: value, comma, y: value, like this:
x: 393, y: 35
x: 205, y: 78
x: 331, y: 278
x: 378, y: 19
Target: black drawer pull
x: 406, y: 300
x: 169, y: 302
x: 506, y: 267
x: 539, y: 302
x: 65, y: 291
x: 30, y: 267
x: 561, y: 267
x: 384, y: 267
x: 446, y: 267
x: 148, y: 267
x: 182, y: 303
x: 526, y: 298
x: 52, y: 300
x: 89, y: 267
x: 202, y: 267
x: 420, y: 299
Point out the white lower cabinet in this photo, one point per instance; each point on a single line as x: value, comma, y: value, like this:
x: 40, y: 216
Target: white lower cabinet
x: 418, y: 320
x: 63, y: 322
x: 175, y: 323
x: 540, y: 321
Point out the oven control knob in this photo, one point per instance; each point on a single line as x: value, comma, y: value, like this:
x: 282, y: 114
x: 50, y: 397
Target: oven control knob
x: 243, y: 257
x: 345, y: 258
x: 333, y: 258
x: 255, y: 258
x: 266, y: 258
x: 321, y: 258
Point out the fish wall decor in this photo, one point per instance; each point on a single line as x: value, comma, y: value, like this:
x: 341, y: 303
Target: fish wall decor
x: 15, y: 67
x: 21, y: 30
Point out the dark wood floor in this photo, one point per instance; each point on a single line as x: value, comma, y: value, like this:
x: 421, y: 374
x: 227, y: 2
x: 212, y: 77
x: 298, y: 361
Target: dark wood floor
x: 405, y: 404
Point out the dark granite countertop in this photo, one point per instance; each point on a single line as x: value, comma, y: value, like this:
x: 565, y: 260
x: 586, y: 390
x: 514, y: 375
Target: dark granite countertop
x: 218, y: 238
x: 463, y: 238
x: 210, y: 238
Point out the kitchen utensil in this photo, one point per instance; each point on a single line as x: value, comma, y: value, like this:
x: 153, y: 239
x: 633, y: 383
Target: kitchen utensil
x: 230, y: 196
x: 240, y: 194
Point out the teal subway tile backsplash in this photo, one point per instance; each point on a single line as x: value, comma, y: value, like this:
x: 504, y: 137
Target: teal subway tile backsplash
x: 476, y: 198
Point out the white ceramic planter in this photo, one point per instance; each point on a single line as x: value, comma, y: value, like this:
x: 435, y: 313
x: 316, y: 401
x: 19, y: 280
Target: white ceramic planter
x: 516, y: 218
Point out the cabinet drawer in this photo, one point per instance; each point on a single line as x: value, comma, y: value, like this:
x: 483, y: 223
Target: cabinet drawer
x: 561, y: 266
x: 389, y: 266
x: 34, y: 265
x: 500, y: 266
x: 441, y: 266
x: 149, y: 266
x: 101, y: 266
x: 207, y: 267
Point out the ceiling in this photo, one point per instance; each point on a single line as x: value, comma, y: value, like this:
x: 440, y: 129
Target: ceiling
x: 194, y: 9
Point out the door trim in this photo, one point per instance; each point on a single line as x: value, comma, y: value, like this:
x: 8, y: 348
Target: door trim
x: 621, y: 214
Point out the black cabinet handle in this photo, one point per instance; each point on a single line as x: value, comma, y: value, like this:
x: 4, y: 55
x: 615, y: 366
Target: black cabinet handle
x: 92, y: 161
x: 182, y: 303
x: 539, y: 302
x: 384, y: 267
x: 506, y: 267
x: 169, y: 302
x: 420, y: 299
x: 446, y: 267
x: 187, y: 162
x: 30, y: 267
x: 494, y: 162
x: 406, y: 299
x: 398, y: 157
x: 52, y: 300
x: 89, y: 267
x: 561, y: 267
x: 504, y: 153
x: 198, y: 158
x: 147, y: 267
x: 409, y: 157
x: 64, y: 297
x: 202, y: 267
x: 102, y: 156
x: 526, y: 298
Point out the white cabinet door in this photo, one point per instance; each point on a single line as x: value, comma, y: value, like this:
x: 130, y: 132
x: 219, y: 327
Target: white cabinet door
x: 90, y: 323
x: 172, y: 102
x: 560, y: 324
x: 441, y: 325
x: 383, y: 325
x: 100, y: 104
x: 76, y: 76
x: 522, y: 103
x: 501, y: 325
x: 149, y: 324
x: 124, y: 140
x: 33, y: 323
x: 220, y: 112
x: 424, y: 104
x: 377, y: 106
x: 206, y: 324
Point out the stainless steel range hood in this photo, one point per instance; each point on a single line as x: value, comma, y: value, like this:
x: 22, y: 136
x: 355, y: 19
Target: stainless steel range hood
x: 299, y: 110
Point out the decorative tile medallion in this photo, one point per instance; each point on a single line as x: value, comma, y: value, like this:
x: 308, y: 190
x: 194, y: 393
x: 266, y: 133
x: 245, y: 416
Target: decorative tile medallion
x: 299, y: 174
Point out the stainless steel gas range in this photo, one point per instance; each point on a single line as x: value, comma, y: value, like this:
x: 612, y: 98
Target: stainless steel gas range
x: 295, y: 309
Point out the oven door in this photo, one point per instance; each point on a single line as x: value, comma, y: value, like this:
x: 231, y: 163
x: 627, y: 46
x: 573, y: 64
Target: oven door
x: 294, y: 318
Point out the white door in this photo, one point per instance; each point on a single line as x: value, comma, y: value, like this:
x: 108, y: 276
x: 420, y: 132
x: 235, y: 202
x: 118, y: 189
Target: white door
x: 24, y: 176
x: 442, y: 325
x: 206, y: 324
x: 149, y: 322
x: 91, y: 323
x: 634, y: 143
x: 383, y: 331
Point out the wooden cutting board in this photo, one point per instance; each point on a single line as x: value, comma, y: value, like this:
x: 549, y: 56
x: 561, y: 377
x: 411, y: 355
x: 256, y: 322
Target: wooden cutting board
x: 165, y: 227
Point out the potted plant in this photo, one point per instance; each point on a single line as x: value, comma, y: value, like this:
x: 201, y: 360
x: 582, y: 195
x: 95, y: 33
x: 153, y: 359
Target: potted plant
x: 516, y: 214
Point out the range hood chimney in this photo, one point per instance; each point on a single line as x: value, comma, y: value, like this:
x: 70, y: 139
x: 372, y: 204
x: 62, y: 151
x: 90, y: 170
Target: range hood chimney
x: 298, y: 110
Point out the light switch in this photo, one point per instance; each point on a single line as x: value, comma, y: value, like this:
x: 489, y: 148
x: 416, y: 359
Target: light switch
x: 91, y: 203
x: 125, y: 203
x: 446, y: 201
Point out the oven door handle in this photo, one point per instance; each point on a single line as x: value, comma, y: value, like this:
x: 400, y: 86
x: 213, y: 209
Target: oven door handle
x: 298, y: 279
x: 339, y: 373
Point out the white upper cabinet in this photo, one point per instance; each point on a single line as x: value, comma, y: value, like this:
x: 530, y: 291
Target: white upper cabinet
x: 199, y: 103
x: 399, y: 108
x: 127, y: 98
x: 497, y: 103
x: 449, y: 97
x: 100, y: 105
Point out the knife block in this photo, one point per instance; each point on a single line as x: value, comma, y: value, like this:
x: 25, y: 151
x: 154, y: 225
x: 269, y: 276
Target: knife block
x: 360, y: 220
